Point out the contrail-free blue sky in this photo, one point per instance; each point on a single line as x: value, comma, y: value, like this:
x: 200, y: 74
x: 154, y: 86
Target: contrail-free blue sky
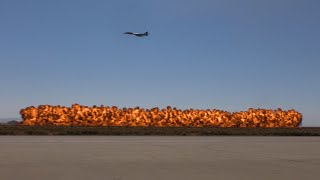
x: 222, y: 54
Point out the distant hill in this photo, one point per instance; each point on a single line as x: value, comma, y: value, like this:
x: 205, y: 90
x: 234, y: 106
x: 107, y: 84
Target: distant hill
x: 5, y: 120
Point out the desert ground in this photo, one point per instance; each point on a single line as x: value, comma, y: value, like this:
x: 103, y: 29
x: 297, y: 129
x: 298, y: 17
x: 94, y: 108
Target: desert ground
x: 158, y: 158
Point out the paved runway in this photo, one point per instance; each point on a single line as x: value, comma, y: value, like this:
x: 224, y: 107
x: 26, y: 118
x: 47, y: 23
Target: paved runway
x: 158, y: 158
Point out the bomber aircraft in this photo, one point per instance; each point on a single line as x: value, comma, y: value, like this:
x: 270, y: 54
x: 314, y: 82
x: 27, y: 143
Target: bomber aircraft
x: 137, y: 34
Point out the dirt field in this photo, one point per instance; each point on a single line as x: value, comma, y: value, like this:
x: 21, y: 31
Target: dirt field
x: 158, y: 158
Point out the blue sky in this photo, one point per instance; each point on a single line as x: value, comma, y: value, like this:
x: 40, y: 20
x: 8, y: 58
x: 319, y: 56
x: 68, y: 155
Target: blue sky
x: 222, y: 54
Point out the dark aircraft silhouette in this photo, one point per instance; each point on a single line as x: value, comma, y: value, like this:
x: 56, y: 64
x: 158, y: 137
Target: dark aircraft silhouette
x: 137, y: 34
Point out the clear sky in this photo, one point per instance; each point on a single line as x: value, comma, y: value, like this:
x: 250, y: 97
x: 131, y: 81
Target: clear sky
x: 217, y: 54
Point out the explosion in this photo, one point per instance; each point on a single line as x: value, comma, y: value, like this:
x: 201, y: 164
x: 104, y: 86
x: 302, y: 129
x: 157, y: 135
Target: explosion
x: 79, y: 115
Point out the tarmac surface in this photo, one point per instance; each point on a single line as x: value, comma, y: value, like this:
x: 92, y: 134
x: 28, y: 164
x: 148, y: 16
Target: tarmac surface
x: 158, y: 158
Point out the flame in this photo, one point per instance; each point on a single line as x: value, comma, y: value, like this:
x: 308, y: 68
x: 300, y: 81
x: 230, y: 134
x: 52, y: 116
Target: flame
x: 79, y: 115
